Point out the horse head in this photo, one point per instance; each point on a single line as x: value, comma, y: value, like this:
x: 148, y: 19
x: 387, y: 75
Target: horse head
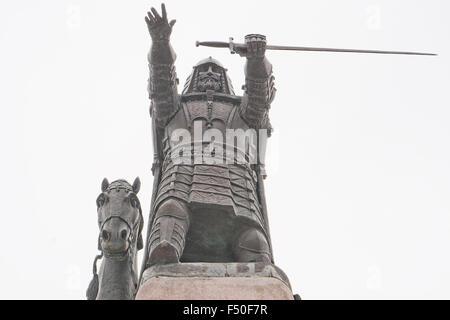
x: 120, y: 222
x: 119, y: 218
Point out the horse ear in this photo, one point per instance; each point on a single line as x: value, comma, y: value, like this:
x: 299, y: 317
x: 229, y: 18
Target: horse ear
x: 136, y: 185
x: 105, y: 184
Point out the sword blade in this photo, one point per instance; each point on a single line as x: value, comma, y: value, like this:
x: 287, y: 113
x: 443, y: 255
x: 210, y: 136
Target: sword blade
x: 218, y: 44
x: 271, y: 47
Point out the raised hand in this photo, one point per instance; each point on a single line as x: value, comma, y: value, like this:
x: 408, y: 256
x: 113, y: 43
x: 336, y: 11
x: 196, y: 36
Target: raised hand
x: 158, y: 25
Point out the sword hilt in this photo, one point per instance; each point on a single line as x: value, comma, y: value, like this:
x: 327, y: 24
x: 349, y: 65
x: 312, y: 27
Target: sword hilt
x: 234, y: 47
x: 240, y: 48
x: 231, y: 45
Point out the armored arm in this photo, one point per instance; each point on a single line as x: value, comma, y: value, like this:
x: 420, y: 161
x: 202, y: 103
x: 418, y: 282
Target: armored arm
x: 259, y: 82
x: 162, y: 84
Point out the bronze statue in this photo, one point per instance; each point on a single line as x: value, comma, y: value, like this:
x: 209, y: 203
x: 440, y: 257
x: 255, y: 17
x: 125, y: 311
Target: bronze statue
x: 208, y: 212
x: 120, y: 222
x: 202, y: 211
x: 239, y: 47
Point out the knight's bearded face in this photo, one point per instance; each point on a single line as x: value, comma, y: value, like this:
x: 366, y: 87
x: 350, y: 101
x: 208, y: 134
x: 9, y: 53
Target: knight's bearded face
x: 209, y: 80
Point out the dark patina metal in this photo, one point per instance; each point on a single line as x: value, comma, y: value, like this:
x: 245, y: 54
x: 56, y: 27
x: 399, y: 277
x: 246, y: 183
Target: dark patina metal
x: 210, y: 217
x: 240, y: 48
x: 120, y: 222
x: 205, y: 212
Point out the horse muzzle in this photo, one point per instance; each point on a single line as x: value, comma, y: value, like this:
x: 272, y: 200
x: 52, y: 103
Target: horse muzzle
x: 115, y: 239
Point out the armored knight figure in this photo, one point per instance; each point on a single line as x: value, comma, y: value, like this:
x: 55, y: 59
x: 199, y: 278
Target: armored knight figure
x: 203, y: 211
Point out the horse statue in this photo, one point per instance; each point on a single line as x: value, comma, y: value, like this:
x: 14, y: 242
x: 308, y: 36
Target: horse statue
x: 120, y: 222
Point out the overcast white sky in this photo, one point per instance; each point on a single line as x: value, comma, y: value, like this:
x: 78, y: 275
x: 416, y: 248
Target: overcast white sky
x: 359, y: 173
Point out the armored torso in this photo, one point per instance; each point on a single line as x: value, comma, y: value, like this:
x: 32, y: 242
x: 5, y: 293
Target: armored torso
x: 226, y: 186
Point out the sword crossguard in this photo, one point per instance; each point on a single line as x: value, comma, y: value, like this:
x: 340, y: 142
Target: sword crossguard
x: 231, y: 46
x: 240, y: 48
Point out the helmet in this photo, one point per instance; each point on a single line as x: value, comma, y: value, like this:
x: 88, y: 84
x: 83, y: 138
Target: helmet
x: 208, y: 74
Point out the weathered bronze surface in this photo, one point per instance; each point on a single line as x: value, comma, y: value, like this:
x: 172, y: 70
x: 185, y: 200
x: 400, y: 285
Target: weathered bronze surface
x: 120, y: 222
x: 206, y: 212
x: 240, y: 48
x: 207, y: 218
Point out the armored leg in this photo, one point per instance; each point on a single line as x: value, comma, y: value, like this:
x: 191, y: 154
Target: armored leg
x: 167, y: 236
x: 252, y: 246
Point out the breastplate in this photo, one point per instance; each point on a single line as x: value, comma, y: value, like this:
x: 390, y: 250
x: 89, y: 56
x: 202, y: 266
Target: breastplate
x: 202, y: 115
x: 228, y: 186
x: 212, y: 114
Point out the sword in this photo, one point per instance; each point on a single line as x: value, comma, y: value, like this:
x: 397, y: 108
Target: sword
x: 240, y: 47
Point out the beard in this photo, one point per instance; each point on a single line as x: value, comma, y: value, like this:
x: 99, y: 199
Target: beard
x: 209, y: 84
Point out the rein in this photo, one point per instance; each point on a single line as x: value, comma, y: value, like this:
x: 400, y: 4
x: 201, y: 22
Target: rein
x: 134, y: 236
x: 92, y: 290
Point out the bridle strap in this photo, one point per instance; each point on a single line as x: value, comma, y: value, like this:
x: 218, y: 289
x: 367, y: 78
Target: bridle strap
x: 130, y: 253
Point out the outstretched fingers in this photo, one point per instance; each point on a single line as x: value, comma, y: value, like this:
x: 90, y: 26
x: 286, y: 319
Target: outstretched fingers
x: 158, y: 25
x: 147, y: 20
x: 156, y: 14
x: 150, y: 17
x: 163, y: 11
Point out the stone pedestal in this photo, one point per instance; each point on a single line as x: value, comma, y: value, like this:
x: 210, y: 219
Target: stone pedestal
x: 214, y: 281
